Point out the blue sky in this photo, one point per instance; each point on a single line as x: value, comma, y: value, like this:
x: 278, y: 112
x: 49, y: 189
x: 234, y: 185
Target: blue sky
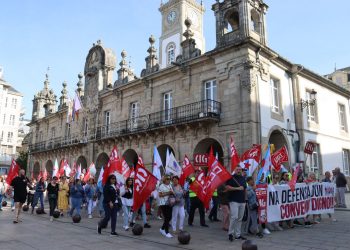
x: 35, y: 34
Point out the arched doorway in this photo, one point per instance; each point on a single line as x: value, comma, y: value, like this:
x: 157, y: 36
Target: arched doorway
x: 278, y: 139
x: 131, y: 157
x: 203, y: 147
x: 49, y: 168
x: 36, y: 169
x: 101, y: 162
x: 82, y: 161
x: 162, y: 150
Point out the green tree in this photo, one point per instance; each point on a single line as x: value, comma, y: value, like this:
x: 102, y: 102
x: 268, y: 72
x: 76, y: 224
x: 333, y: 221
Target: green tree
x: 22, y: 160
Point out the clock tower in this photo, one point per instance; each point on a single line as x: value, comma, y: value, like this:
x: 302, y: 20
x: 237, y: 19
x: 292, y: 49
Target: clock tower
x: 174, y: 13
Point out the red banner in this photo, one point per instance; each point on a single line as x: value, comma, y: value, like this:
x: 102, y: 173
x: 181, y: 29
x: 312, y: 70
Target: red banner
x: 13, y: 172
x: 200, y: 160
x: 112, y: 165
x: 144, y: 185
x: 309, y: 148
x: 197, y: 185
x: 253, y: 153
x: 234, y: 156
x: 279, y: 157
x: 187, y: 170
x: 261, y: 195
x: 217, y: 175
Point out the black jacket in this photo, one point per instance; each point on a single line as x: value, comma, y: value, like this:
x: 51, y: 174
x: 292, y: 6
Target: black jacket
x: 340, y: 180
x: 109, y: 194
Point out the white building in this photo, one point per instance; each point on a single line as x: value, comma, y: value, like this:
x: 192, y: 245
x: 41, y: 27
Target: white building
x: 10, y: 111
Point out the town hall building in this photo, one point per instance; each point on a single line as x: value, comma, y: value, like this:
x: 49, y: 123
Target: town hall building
x: 188, y: 100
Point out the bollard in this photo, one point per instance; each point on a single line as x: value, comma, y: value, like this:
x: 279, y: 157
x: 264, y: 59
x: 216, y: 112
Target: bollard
x: 248, y: 245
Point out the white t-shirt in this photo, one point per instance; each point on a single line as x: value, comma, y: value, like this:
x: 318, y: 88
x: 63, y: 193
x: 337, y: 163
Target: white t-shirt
x: 164, y: 189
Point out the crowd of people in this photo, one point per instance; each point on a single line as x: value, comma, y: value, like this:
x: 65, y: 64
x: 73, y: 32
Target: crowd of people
x: 172, y: 202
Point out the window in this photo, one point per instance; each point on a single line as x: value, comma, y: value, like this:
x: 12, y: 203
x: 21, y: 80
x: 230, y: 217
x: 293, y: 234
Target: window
x: 311, y: 109
x: 2, y: 136
x: 134, y: 113
x: 342, y: 117
x: 9, y: 137
x: 86, y: 127
x: 171, y: 53
x: 346, y: 162
x: 107, y: 121
x: 232, y: 18
x: 14, y: 103
x: 275, y: 95
x: 53, y: 133
x: 4, y: 119
x: 314, y: 161
x: 167, y: 105
x: 6, y: 102
x: 210, y: 94
x: 12, y: 120
x: 255, y: 21
x: 68, y: 130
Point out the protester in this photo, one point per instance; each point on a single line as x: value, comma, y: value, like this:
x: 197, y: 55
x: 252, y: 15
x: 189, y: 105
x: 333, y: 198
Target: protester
x: 2, y: 190
x: 328, y: 179
x: 213, y: 215
x: 224, y: 205
x: 165, y: 190
x: 195, y: 203
x: 253, y: 207
x: 31, y: 191
x: 99, y: 191
x: 77, y: 194
x: 39, y: 194
x: 91, y: 196
x: 63, y: 194
x: 19, y: 186
x: 340, y: 182
x: 52, y: 193
x: 236, y: 188
x: 110, y: 194
x: 178, y: 213
x: 142, y: 210
x: 127, y: 201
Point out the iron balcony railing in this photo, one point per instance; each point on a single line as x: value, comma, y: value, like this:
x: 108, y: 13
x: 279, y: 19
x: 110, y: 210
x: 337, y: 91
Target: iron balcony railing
x: 198, y: 111
x: 206, y: 109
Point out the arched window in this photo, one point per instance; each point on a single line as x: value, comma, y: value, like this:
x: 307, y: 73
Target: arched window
x: 232, y: 19
x: 255, y: 21
x: 170, y: 53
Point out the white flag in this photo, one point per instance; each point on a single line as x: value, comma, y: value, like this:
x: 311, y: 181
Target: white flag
x: 157, y: 163
x: 173, y: 166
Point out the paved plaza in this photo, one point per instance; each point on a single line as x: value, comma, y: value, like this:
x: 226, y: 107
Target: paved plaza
x: 37, y: 232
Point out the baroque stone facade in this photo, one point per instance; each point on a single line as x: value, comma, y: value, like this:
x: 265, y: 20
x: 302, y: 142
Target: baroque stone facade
x: 198, y: 101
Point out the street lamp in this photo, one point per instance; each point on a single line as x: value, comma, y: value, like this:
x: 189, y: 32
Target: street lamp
x: 310, y: 102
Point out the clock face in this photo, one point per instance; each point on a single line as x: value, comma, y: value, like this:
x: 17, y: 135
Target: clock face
x: 171, y: 17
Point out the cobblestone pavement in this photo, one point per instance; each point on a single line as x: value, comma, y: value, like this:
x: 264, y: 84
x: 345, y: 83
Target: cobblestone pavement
x: 37, y: 232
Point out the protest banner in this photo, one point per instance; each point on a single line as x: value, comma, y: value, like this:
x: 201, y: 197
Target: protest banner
x: 261, y: 195
x: 306, y: 199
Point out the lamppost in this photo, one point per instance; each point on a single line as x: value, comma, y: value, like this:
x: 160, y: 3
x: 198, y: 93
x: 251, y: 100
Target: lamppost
x: 309, y: 102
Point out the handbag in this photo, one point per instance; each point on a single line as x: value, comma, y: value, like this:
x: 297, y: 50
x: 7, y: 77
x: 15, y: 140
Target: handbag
x: 171, y: 200
x: 254, y: 206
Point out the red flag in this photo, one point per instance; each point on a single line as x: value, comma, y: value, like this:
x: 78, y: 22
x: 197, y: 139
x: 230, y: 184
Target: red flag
x: 251, y: 158
x: 279, y: 157
x: 187, y: 169
x: 60, y: 172
x: 40, y: 175
x: 293, y: 181
x: 217, y: 175
x: 144, y: 185
x: 211, y: 157
x: 13, y: 172
x: 111, y: 165
x: 87, y: 176
x: 234, y: 156
x: 44, y: 174
x: 123, y: 168
x: 74, y: 171
x: 197, y: 186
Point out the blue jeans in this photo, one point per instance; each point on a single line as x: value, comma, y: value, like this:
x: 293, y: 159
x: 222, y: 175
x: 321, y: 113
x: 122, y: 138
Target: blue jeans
x: 126, y: 211
x: 76, y: 204
x: 143, y: 212
x: 38, y: 196
x: 110, y: 214
x: 1, y: 196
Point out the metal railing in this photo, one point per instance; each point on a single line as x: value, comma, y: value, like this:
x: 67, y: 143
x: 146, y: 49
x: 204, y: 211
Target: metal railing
x: 206, y: 109
x: 198, y: 111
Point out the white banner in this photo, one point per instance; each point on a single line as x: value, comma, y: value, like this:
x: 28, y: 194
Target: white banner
x: 306, y: 199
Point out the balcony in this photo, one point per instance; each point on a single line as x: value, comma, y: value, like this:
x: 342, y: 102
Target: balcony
x: 198, y: 111
x: 206, y: 110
